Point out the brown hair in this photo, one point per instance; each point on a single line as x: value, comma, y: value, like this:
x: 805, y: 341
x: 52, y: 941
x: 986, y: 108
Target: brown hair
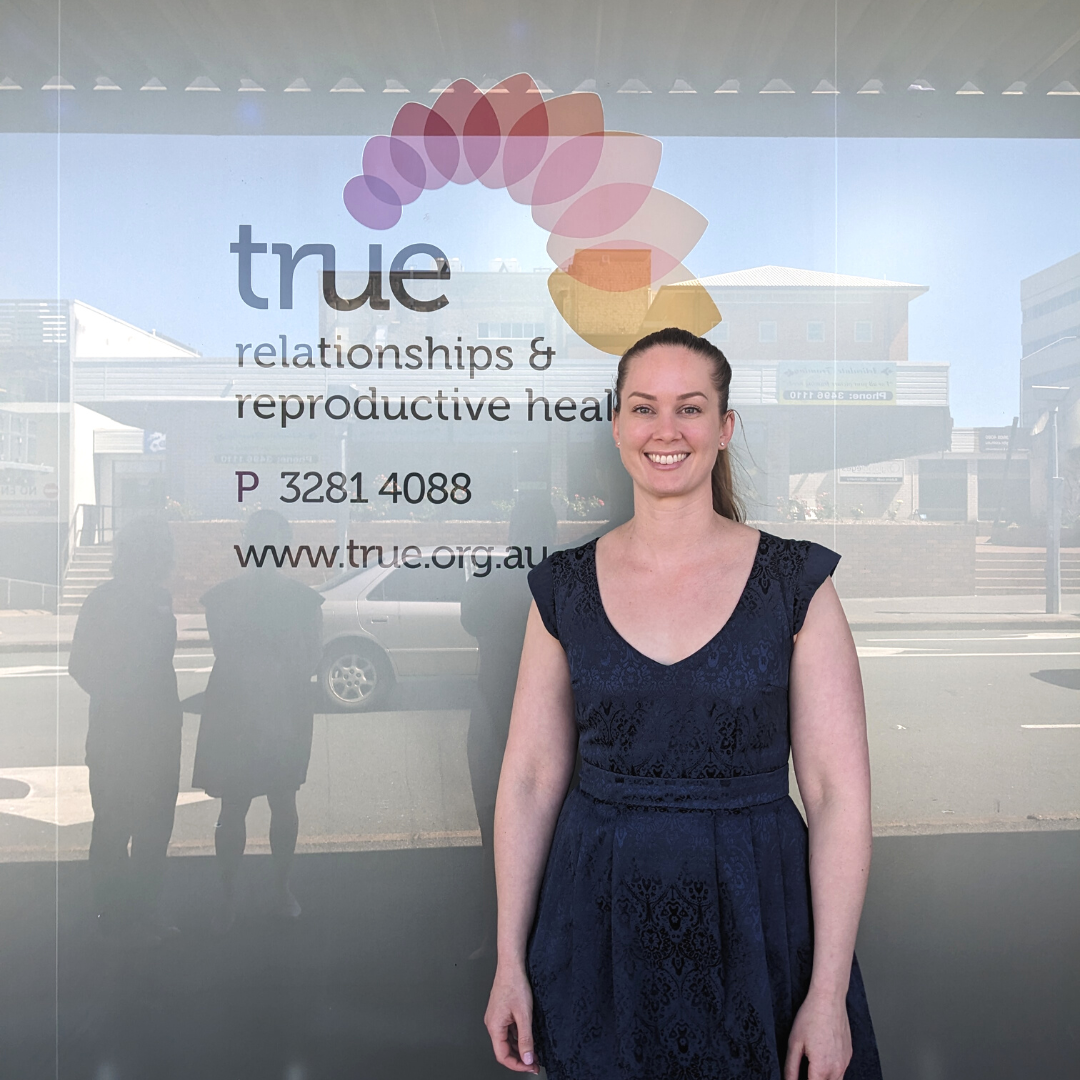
x: 725, y: 500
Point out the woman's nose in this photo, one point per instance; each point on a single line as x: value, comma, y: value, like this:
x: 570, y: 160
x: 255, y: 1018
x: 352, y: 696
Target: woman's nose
x: 667, y: 425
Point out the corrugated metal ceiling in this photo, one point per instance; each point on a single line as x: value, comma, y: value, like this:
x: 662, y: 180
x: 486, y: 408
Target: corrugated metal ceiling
x: 992, y: 44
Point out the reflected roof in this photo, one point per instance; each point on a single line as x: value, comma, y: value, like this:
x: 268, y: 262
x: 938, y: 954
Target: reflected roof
x: 790, y: 277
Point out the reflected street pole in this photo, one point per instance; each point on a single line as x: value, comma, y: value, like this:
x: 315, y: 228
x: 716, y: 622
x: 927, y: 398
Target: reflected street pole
x: 1053, y: 519
x: 1055, y: 489
x: 343, y: 509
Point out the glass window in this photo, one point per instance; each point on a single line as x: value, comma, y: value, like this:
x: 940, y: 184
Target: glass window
x: 323, y: 284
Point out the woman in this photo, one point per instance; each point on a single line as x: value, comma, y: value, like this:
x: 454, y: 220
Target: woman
x: 684, y: 922
x: 255, y: 733
x: 122, y: 656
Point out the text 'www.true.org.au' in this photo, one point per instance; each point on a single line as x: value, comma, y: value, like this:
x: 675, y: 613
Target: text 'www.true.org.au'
x: 480, y: 558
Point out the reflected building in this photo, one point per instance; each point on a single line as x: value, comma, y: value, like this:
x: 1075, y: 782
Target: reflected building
x: 836, y: 420
x: 530, y: 399
x: 821, y: 375
x: 1050, y: 333
x: 1050, y: 339
x: 69, y: 473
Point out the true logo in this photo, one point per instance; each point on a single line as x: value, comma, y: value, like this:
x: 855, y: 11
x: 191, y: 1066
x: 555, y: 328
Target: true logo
x: 245, y: 248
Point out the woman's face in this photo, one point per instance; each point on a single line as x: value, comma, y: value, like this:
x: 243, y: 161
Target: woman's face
x: 668, y: 428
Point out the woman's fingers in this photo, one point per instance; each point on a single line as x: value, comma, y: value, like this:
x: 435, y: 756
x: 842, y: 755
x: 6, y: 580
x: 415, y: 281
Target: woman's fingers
x: 831, y: 1071
x: 509, y: 1023
x: 796, y: 1049
x: 513, y: 1044
x: 526, y: 1051
x: 816, y: 1069
x: 821, y: 1035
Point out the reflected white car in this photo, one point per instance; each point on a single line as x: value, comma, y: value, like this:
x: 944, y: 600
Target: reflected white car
x: 381, y: 624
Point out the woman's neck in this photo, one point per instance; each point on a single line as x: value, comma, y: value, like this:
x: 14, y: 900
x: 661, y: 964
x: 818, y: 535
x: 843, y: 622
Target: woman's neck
x: 673, y: 527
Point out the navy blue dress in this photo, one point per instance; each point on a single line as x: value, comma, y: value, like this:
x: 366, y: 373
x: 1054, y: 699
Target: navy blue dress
x: 673, y: 936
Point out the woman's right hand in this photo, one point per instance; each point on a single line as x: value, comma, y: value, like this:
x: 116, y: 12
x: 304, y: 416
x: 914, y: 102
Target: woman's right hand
x: 509, y: 1020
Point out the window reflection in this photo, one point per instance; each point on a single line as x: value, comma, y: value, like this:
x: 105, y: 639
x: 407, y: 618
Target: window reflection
x: 894, y: 402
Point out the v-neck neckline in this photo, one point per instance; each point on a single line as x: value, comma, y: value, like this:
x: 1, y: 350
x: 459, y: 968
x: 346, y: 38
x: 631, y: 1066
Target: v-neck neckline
x: 697, y: 652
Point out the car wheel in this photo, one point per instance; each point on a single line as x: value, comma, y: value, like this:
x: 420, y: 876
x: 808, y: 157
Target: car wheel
x: 355, y: 677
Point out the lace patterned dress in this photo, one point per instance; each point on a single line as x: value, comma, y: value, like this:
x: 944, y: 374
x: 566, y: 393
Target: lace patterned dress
x: 673, y: 936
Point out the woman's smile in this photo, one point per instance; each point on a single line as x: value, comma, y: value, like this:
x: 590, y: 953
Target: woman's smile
x: 667, y: 461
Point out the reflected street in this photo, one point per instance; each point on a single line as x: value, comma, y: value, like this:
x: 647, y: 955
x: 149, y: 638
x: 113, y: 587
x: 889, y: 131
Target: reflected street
x: 971, y: 729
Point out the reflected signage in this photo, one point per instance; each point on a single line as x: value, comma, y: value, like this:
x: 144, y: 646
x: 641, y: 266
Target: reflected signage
x: 828, y: 383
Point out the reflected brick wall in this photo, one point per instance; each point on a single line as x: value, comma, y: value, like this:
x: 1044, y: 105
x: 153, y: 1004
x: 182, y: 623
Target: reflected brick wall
x: 892, y: 559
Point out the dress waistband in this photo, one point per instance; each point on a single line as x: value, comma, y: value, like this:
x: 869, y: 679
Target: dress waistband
x: 723, y: 793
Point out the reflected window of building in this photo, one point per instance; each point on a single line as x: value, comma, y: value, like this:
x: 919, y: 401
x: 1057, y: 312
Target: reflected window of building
x: 510, y: 331
x: 943, y: 489
x: 815, y: 331
x: 1004, y: 490
x: 864, y: 330
x: 766, y: 331
x: 721, y: 332
x: 425, y: 584
x: 18, y: 438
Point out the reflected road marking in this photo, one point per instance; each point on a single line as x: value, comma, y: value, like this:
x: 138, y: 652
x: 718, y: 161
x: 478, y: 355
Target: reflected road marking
x: 52, y: 671
x: 1041, y: 635
x: 874, y: 651
x: 31, y: 672
x: 60, y: 794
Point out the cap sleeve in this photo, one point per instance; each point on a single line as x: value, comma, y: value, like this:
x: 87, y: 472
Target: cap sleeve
x: 542, y: 586
x: 819, y: 564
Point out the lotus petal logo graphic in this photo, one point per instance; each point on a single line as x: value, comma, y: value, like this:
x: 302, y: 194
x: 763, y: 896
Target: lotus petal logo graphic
x: 618, y: 243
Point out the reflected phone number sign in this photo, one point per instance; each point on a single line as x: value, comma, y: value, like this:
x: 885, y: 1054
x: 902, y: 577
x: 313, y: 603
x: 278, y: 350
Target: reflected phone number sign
x: 844, y: 383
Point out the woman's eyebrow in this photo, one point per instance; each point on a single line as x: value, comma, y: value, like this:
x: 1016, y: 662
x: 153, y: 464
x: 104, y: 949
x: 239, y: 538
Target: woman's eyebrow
x: 681, y: 397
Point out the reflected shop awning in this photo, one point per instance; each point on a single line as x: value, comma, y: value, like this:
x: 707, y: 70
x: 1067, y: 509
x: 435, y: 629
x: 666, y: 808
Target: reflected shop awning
x: 827, y: 435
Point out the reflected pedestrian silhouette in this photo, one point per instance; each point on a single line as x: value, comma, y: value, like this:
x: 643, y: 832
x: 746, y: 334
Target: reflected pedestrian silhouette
x: 258, y: 710
x: 122, y: 656
x: 494, y: 610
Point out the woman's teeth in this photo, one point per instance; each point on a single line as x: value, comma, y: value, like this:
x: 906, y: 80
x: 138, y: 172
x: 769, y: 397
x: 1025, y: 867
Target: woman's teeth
x: 666, y: 459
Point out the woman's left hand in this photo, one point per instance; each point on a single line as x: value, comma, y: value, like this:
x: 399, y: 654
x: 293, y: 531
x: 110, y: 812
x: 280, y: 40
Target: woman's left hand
x: 821, y: 1034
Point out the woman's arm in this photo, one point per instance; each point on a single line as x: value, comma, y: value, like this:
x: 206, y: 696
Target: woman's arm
x: 539, y: 761
x: 832, y: 765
